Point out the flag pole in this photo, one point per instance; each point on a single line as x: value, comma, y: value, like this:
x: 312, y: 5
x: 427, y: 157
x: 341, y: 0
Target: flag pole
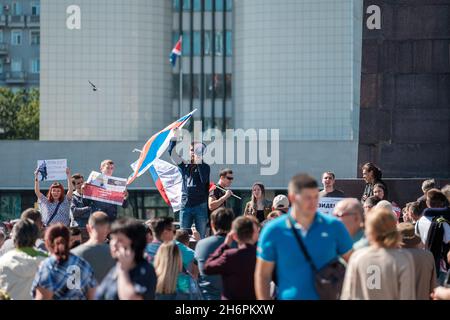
x: 225, y: 190
x: 180, y: 104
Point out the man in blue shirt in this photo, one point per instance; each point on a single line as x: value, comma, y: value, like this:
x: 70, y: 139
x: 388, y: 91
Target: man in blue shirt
x: 195, y: 187
x: 324, y: 236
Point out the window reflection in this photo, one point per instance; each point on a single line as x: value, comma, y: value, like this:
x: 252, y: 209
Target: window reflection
x: 197, y: 43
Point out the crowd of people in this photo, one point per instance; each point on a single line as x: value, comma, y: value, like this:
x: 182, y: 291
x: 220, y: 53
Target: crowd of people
x: 284, y: 248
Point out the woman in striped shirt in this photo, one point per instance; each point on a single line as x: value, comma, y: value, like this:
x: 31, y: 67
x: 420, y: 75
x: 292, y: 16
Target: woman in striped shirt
x: 55, y: 207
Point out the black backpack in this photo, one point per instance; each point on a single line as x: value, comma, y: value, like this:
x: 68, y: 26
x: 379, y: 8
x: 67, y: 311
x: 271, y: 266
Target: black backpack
x: 435, y: 243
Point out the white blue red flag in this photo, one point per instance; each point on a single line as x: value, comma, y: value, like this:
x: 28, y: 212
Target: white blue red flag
x: 156, y: 146
x: 176, y: 51
x: 168, y: 180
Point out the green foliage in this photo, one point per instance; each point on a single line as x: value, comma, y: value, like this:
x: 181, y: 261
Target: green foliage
x: 19, y: 114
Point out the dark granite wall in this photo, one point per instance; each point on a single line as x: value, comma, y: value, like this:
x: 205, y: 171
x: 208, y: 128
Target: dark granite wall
x: 405, y: 89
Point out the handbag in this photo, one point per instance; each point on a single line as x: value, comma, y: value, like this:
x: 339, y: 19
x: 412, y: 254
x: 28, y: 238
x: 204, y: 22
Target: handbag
x: 329, y: 279
x: 53, y: 214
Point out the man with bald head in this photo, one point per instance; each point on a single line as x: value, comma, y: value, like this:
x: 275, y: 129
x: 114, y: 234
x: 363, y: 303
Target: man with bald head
x: 351, y: 213
x: 96, y: 251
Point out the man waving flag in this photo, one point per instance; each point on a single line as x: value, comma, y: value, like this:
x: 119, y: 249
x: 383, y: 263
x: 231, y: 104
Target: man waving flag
x: 155, y: 147
x: 176, y: 51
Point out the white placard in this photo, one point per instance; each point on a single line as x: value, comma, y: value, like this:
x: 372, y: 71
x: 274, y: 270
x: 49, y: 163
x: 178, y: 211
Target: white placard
x: 326, y: 204
x: 53, y: 169
x: 107, y: 182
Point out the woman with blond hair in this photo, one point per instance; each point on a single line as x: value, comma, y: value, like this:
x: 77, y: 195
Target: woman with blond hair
x: 168, y: 265
x: 381, y: 271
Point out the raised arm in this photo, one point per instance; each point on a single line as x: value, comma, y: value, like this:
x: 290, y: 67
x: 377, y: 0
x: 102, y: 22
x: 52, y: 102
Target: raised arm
x: 174, y: 156
x: 204, y: 171
x: 69, y: 185
x: 37, y: 190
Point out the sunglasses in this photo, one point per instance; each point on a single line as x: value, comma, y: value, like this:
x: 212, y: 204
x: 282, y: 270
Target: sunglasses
x: 230, y: 178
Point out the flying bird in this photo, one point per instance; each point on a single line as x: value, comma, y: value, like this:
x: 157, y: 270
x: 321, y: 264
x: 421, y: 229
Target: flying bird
x: 94, y: 88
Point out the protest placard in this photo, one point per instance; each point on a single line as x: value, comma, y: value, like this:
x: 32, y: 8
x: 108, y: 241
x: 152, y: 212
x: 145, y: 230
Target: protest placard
x: 326, y: 205
x: 104, y: 188
x: 53, y: 169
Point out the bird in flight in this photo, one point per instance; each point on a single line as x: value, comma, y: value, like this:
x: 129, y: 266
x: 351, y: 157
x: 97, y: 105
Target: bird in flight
x: 94, y: 88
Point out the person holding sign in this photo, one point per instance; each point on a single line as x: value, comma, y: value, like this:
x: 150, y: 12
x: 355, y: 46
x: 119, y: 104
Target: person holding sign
x: 55, y: 207
x: 107, y: 169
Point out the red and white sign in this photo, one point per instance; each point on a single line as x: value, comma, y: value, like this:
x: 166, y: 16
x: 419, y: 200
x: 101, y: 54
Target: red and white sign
x: 104, y: 188
x: 93, y: 192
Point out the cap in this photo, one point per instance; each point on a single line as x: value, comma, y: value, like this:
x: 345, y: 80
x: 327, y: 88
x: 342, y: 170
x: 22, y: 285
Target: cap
x: 280, y: 202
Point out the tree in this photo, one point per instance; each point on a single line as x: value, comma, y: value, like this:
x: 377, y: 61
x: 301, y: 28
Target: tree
x: 19, y: 114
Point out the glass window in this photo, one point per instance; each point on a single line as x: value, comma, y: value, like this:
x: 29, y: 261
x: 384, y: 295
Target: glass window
x: 196, y: 87
x: 16, y: 65
x: 219, y: 5
x: 1, y: 66
x: 35, y: 66
x: 228, y: 83
x: 186, y: 5
x: 186, y: 44
x: 175, y: 37
x: 229, y: 43
x: 1, y: 35
x: 17, y: 8
x: 176, y: 86
x: 176, y: 5
x: 229, y: 4
x: 197, y: 43
x: 16, y: 37
x: 10, y: 205
x: 1, y: 9
x: 207, y: 43
x: 207, y: 123
x: 219, y: 43
x: 197, y: 5
x: 218, y: 86
x: 208, y: 86
x: 35, y: 9
x: 35, y: 38
x: 208, y: 5
x: 186, y: 86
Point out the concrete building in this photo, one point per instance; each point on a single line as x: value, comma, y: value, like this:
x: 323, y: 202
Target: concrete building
x: 19, y: 44
x: 292, y: 65
x: 119, y: 46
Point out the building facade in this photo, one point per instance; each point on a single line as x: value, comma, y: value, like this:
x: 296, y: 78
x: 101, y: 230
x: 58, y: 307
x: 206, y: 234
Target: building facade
x: 239, y: 67
x: 19, y: 44
x: 119, y: 46
x: 294, y: 66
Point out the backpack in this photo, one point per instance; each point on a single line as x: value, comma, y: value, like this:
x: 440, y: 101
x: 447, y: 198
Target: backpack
x: 435, y: 243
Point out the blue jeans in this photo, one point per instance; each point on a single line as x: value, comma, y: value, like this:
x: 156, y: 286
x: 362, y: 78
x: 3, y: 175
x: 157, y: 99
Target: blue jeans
x: 197, y: 215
